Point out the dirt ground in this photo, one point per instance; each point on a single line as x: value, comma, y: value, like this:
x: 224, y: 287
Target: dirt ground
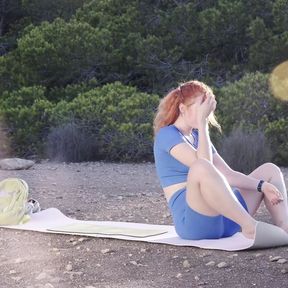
x: 120, y: 192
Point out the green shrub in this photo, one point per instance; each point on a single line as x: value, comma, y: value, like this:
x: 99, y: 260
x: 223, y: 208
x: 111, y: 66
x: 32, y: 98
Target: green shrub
x: 276, y: 131
x: 71, y: 143
x: 118, y: 117
x: 245, y: 151
x: 249, y: 104
x: 25, y: 113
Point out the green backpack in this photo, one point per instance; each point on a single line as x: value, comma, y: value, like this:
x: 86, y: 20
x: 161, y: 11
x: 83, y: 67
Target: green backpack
x: 13, y: 199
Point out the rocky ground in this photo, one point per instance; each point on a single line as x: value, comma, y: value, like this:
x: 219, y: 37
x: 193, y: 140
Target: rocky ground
x: 120, y: 192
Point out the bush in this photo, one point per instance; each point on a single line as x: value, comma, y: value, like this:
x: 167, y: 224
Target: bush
x: 245, y: 151
x: 276, y: 131
x: 71, y: 143
x: 56, y: 54
x: 117, y: 118
x: 26, y: 114
x: 249, y: 104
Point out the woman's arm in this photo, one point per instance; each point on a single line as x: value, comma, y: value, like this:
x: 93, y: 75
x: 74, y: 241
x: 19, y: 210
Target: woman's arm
x: 235, y: 178
x: 204, y: 150
x: 184, y: 153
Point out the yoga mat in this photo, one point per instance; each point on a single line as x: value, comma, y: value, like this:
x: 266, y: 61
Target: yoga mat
x: 92, y: 228
x: 54, y: 221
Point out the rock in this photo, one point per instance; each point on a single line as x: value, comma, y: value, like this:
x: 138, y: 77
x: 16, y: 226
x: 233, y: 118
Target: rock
x: 41, y: 276
x: 15, y: 164
x: 258, y: 255
x: 19, y: 260
x: 222, y: 265
x: 16, y: 278
x: 89, y: 286
x: 233, y: 255
x: 106, y: 251
x: 134, y: 263
x: 82, y: 239
x: 282, y: 261
x: 69, y: 267
x: 186, y: 264
x: 276, y: 258
x: 179, y: 275
x: 284, y: 271
x: 48, y: 285
x: 210, y: 263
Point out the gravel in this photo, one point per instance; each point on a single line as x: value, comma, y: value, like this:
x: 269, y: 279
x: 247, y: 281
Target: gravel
x: 120, y: 192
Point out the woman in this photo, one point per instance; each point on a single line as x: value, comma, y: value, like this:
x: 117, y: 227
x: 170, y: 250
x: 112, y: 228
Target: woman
x: 196, y: 180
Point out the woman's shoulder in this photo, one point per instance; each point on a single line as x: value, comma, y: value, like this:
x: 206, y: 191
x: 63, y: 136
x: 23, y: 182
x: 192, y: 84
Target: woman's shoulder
x: 166, y: 130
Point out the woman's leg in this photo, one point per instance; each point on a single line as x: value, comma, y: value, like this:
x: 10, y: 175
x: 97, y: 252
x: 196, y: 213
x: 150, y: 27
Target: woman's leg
x: 209, y: 193
x: 279, y: 213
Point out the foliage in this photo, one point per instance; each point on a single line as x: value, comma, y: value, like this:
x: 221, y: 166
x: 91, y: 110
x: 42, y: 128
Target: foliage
x: 116, y: 117
x: 249, y: 104
x: 60, y: 52
x: 244, y: 151
x: 26, y: 114
x: 56, y: 54
x: 276, y: 131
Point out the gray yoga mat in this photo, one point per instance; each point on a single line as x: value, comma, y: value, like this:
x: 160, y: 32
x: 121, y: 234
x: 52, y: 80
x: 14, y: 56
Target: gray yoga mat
x: 54, y: 221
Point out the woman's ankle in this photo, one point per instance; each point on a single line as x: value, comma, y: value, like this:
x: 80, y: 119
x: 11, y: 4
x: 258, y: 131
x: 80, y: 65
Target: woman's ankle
x: 249, y: 231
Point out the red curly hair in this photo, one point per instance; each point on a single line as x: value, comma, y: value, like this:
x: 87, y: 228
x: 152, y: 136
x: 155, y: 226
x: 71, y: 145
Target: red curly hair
x: 168, y: 109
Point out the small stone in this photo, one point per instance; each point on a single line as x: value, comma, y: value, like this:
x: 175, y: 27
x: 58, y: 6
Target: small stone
x: 276, y: 258
x: 233, y: 255
x: 179, y: 275
x: 81, y: 239
x: 197, y: 278
x: 284, y: 271
x: 41, y: 276
x: 282, y: 261
x: 12, y: 272
x: 48, y: 285
x: 17, y: 278
x: 222, y: 265
x: 90, y: 286
x: 69, y: 267
x: 106, y: 251
x: 19, y: 260
x: 210, y: 263
x: 134, y: 263
x: 55, y: 249
x: 186, y: 264
x: 143, y: 250
x: 258, y: 255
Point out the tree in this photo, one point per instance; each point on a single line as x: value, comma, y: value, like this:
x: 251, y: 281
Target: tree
x: 57, y: 54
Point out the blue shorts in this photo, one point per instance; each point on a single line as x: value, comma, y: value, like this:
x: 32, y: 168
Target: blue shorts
x: 192, y: 225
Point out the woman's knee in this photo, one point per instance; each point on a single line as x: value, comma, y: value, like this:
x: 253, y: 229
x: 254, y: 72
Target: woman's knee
x: 271, y: 168
x: 201, y: 167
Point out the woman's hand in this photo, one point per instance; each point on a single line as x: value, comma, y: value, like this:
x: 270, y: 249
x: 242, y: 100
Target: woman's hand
x: 205, y: 108
x: 272, y: 193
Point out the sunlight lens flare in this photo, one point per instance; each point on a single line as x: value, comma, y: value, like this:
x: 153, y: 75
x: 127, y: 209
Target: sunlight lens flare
x: 279, y: 81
